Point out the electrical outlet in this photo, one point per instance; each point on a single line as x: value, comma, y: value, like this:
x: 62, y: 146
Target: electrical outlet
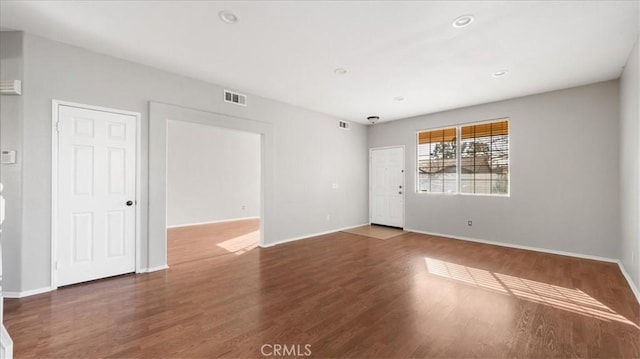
x: 243, y: 207
x: 469, y: 223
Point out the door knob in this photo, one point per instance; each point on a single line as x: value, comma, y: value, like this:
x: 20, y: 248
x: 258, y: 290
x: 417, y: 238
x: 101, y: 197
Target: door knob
x: 399, y: 192
x: 400, y: 186
x: 129, y: 203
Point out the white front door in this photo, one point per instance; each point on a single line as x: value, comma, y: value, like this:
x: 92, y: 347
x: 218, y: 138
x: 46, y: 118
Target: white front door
x: 387, y: 186
x: 96, y: 214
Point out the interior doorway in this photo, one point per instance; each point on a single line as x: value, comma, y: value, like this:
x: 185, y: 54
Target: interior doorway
x: 155, y: 249
x: 213, y: 191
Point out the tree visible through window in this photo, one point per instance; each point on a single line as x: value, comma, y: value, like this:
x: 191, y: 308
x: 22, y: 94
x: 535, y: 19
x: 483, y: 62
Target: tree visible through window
x: 437, y: 161
x: 484, y: 158
x: 475, y: 162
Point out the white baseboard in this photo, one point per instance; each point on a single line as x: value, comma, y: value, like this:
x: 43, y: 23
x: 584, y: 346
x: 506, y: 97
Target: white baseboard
x: 27, y: 293
x: 309, y: 236
x: 626, y: 275
x: 153, y: 269
x: 211, y: 222
x: 518, y: 246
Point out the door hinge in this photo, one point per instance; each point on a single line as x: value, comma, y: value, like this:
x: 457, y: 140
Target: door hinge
x: 58, y: 126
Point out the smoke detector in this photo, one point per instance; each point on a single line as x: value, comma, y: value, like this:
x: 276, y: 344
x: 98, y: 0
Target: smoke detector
x: 373, y: 119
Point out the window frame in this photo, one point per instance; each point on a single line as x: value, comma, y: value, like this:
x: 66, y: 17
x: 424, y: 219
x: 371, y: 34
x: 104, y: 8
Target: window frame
x: 458, y: 128
x: 417, y: 167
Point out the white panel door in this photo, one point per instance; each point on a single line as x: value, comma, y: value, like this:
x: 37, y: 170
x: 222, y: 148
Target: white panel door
x: 96, y: 194
x: 387, y: 186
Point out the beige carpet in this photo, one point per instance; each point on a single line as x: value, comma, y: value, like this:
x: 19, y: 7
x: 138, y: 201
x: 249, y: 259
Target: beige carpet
x: 374, y: 231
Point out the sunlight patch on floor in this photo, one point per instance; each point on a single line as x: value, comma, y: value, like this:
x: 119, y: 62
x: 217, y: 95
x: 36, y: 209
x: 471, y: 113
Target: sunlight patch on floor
x: 241, y: 244
x: 573, y: 300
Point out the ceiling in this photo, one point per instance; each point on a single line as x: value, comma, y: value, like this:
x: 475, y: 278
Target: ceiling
x: 288, y: 50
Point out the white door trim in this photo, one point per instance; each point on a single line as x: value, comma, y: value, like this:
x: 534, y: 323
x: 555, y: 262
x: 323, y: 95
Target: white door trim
x: 6, y: 344
x: 404, y: 179
x: 55, y: 105
x: 159, y: 115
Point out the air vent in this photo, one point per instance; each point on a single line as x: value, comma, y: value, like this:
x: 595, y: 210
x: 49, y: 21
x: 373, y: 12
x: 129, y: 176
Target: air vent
x: 344, y: 125
x: 234, y: 97
x: 12, y: 87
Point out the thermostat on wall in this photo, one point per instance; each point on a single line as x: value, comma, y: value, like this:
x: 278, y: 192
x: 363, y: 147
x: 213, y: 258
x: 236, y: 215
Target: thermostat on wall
x: 8, y: 157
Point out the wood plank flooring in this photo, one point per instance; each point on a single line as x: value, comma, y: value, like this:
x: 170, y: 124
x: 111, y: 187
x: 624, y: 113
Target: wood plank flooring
x: 376, y: 231
x: 347, y: 296
x: 189, y: 243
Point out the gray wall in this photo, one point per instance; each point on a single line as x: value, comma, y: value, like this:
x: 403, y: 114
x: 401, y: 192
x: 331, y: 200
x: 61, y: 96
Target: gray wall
x: 630, y: 165
x: 213, y: 174
x: 11, y: 68
x: 564, y: 173
x: 310, y: 151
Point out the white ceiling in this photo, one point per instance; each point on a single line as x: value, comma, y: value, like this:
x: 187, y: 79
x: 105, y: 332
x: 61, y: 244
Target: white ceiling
x: 288, y: 50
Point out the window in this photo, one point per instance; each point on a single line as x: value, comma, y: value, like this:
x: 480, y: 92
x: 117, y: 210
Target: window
x: 484, y: 158
x: 437, y: 161
x: 470, y: 159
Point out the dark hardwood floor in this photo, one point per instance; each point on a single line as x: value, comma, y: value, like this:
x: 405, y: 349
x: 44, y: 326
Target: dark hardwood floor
x: 347, y: 296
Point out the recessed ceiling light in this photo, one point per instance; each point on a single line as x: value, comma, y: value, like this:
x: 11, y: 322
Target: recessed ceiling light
x: 500, y: 73
x: 228, y: 17
x: 399, y: 98
x: 340, y: 71
x: 462, y: 21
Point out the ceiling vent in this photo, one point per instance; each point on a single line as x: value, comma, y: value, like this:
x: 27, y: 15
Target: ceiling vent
x: 344, y: 125
x: 234, y: 97
x: 12, y: 87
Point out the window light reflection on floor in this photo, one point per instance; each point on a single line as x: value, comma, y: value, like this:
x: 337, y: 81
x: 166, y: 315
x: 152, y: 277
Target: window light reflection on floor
x: 573, y: 300
x: 241, y: 244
